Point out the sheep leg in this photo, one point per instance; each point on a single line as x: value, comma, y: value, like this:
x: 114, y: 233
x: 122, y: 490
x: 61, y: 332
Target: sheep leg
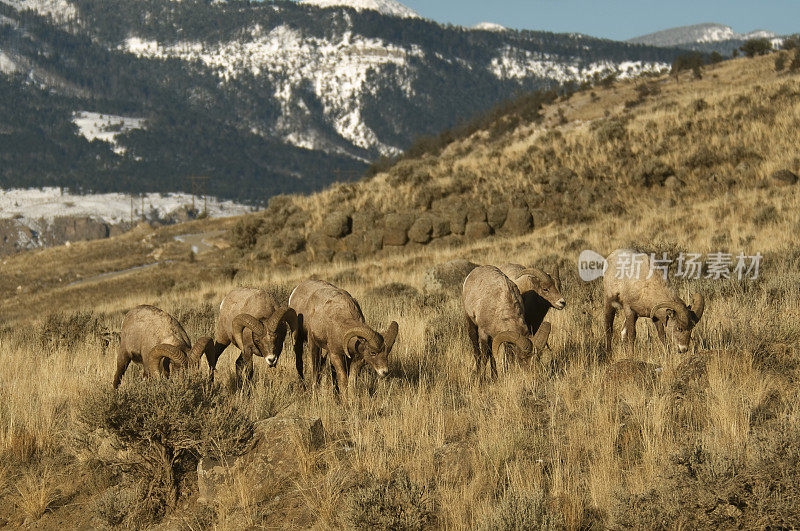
x: 490, y: 355
x: 472, y: 330
x: 123, y: 360
x: 610, y: 313
x: 662, y: 334
x: 213, y: 357
x: 298, y: 353
x: 355, y: 370
x: 339, y: 373
x: 316, y: 364
x: 629, y: 332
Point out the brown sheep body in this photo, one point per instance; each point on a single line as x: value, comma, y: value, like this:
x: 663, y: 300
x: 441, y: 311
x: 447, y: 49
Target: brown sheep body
x: 255, y: 324
x: 626, y: 288
x: 540, y: 292
x: 495, y: 315
x: 331, y: 320
x: 152, y: 337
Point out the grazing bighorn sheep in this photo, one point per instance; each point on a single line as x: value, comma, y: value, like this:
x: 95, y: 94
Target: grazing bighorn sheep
x: 540, y: 292
x: 251, y: 320
x: 157, y: 340
x: 495, y: 315
x: 627, y: 288
x: 331, y: 320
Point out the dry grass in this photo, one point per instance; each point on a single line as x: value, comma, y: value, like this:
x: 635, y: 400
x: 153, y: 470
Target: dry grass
x: 711, y: 444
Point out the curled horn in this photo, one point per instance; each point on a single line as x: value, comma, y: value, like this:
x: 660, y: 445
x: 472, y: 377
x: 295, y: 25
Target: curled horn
x: 536, y: 273
x: 680, y: 312
x: 541, y: 336
x: 170, y: 352
x: 390, y: 336
x: 518, y: 340
x: 373, y: 339
x: 281, y: 314
x: 202, y: 346
x: 698, y: 305
x: 245, y: 320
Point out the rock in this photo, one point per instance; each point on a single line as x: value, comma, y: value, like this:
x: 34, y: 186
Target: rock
x: 212, y: 475
x: 363, y: 221
x: 475, y: 213
x: 496, y: 216
x: 673, y: 183
x: 396, y: 227
x: 277, y: 439
x: 477, y: 230
x: 63, y: 229
x: 742, y: 167
x: 441, y: 227
x: 291, y: 243
x: 364, y: 243
x: 422, y: 230
x: 446, y: 277
x: 518, y: 221
x: 458, y: 220
x: 784, y: 178
x: 451, y: 240
x: 337, y: 225
x: 453, y: 463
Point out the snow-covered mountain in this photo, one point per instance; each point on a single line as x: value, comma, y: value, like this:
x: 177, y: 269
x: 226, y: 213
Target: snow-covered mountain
x: 489, y: 26
x: 263, y: 97
x: 699, y: 34
x: 385, y: 7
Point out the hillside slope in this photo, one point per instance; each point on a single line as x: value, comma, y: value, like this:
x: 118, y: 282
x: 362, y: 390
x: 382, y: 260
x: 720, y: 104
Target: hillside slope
x: 574, y: 441
x: 263, y: 97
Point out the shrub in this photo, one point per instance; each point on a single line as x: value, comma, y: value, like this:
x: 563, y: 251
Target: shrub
x: 753, y: 47
x: 522, y: 510
x: 67, y: 330
x: 795, y: 64
x: 610, y: 130
x: 765, y: 215
x: 780, y: 62
x: 245, y: 233
x: 166, y: 426
x: 397, y: 504
x: 688, y: 61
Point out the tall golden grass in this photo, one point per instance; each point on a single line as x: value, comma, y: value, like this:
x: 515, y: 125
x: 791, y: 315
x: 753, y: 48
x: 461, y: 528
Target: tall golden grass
x: 561, y: 446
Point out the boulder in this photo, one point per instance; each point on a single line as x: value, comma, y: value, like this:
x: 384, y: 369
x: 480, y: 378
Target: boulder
x: 422, y: 230
x: 477, y: 230
x: 365, y: 220
x: 212, y: 475
x: 458, y: 220
x: 496, y: 216
x: 337, y: 225
x: 441, y: 227
x: 475, y: 213
x: 364, y: 243
x: 396, y: 228
x: 518, y: 221
x: 784, y: 178
x: 447, y: 277
x: 673, y: 183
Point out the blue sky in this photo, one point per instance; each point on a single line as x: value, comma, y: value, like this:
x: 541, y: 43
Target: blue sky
x: 615, y: 19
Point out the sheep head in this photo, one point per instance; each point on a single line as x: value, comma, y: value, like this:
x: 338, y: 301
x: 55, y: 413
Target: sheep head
x: 685, y: 318
x: 265, y: 339
x: 547, y: 287
x: 374, y: 348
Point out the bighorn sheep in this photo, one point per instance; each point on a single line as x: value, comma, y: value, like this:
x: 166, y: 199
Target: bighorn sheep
x: 495, y: 315
x: 331, y: 320
x: 627, y: 288
x: 251, y: 320
x: 157, y: 340
x: 540, y: 292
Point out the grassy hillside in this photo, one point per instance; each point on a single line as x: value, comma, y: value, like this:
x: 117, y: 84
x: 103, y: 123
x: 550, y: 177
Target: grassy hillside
x: 711, y: 442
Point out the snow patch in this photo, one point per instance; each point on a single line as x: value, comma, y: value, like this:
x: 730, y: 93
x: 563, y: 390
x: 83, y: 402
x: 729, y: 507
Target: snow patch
x: 513, y: 63
x: 105, y: 127
x: 7, y: 65
x: 386, y: 7
x: 60, y: 10
x: 489, y: 26
x: 337, y: 71
x: 31, y: 206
